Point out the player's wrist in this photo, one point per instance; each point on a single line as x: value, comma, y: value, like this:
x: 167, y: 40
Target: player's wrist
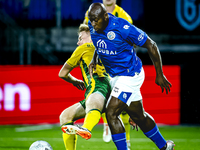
x: 159, y: 73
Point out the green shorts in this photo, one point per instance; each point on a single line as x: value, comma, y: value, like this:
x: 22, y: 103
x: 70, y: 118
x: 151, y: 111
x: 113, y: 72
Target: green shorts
x: 99, y: 85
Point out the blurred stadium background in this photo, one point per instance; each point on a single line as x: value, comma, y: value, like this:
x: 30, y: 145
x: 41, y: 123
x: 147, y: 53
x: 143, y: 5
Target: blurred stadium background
x: 38, y: 36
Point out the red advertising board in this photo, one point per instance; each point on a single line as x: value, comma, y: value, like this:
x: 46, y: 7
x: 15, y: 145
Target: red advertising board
x: 35, y: 94
x: 165, y: 108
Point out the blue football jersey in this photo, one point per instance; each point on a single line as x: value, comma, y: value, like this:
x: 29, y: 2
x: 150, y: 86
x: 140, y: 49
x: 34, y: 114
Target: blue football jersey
x: 115, y: 46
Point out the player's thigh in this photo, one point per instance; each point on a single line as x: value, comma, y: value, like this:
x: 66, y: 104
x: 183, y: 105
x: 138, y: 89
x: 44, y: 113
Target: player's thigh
x: 115, y: 106
x: 97, y: 95
x: 95, y: 101
x: 136, y: 110
x: 72, y: 113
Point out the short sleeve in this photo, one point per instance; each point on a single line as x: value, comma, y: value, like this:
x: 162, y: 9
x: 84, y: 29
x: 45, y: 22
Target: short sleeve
x: 75, y: 58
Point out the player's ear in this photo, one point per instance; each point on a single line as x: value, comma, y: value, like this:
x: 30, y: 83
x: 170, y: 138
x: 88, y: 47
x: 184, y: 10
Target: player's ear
x: 106, y: 16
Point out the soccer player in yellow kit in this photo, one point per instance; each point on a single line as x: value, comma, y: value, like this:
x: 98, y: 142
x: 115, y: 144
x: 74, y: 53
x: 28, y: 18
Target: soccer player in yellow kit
x: 97, y: 91
x: 117, y: 11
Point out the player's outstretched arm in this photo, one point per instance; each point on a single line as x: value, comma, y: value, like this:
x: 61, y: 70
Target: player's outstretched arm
x: 154, y: 54
x: 65, y: 75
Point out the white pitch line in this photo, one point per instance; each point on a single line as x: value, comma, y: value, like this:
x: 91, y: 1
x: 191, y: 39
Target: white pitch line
x: 139, y: 140
x: 148, y: 140
x: 32, y: 139
x: 33, y: 128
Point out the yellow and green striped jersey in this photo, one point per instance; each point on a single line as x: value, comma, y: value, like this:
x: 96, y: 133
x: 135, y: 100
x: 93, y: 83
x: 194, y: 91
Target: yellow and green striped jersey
x: 82, y: 57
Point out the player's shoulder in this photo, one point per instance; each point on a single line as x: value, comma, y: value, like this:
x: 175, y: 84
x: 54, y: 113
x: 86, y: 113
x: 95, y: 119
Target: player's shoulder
x: 86, y: 45
x: 84, y: 48
x: 118, y: 8
x: 120, y: 23
x: 114, y: 19
x: 117, y: 19
x: 119, y: 11
x: 120, y: 26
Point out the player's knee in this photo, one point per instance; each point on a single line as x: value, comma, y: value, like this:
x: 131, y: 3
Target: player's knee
x: 110, y: 115
x: 95, y: 101
x: 63, y: 118
x: 138, y: 117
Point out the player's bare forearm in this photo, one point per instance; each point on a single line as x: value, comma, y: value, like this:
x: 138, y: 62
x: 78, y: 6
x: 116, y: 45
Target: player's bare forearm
x: 154, y: 54
x: 65, y: 75
x: 69, y: 78
x: 76, y: 82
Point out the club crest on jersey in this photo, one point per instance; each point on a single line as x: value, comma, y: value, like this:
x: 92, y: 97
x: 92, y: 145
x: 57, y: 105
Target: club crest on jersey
x: 111, y: 35
x: 124, y: 96
x: 188, y: 13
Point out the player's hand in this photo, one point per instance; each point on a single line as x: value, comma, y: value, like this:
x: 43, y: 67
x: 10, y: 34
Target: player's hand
x: 133, y: 124
x: 162, y: 81
x: 79, y: 84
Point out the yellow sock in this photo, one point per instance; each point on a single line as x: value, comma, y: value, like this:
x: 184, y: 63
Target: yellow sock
x: 125, y: 119
x: 104, y: 118
x: 91, y: 119
x: 70, y: 141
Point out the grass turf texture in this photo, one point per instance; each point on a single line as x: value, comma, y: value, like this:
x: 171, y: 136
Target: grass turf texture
x: 21, y: 137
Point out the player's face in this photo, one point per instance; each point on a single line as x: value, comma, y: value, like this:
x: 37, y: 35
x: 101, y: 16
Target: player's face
x: 98, y: 22
x: 83, y: 38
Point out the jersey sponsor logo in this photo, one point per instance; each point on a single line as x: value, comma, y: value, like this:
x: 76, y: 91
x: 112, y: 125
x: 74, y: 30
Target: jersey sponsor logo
x: 188, y: 13
x: 105, y: 51
x: 102, y: 48
x: 126, y: 26
x: 141, y: 37
x: 101, y: 43
x: 111, y: 35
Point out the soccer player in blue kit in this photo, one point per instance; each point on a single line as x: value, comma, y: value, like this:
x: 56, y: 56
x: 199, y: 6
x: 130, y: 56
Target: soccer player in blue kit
x: 114, y: 38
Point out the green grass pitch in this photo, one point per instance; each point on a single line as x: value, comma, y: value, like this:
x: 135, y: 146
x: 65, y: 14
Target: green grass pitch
x: 21, y: 137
